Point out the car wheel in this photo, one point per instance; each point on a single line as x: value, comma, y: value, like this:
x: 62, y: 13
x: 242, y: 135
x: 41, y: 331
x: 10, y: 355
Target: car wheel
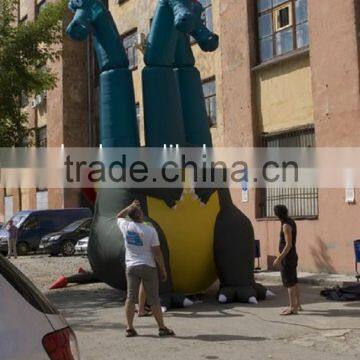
x: 68, y: 248
x: 22, y: 248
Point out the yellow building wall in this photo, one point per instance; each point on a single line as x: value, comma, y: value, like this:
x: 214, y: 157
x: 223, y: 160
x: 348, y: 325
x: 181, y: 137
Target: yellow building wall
x: 135, y: 14
x: 284, y: 95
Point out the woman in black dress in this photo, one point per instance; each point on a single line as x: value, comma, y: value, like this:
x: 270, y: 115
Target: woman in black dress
x: 288, y: 259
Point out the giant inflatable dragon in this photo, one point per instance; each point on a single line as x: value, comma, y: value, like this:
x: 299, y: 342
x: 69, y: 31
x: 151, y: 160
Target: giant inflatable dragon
x: 203, y: 237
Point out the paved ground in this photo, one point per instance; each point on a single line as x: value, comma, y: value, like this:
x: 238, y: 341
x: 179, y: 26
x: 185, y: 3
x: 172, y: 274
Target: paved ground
x: 325, y: 330
x: 322, y: 279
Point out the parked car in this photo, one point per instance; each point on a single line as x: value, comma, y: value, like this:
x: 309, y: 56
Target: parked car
x: 30, y: 326
x: 34, y: 224
x: 82, y: 245
x: 64, y: 241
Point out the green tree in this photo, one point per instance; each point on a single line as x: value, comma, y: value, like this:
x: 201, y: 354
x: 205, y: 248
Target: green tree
x: 25, y: 53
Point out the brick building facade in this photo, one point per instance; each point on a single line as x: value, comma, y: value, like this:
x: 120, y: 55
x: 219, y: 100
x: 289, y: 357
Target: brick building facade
x: 58, y: 117
x: 286, y: 74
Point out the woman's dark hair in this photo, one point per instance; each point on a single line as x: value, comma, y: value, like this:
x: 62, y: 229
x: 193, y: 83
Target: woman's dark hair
x: 281, y: 212
x: 135, y: 213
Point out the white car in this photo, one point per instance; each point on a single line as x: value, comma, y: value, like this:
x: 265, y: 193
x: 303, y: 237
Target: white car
x: 82, y: 245
x: 31, y: 327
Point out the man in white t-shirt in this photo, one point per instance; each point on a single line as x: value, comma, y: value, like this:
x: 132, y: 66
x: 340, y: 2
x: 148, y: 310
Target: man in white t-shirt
x: 143, y: 253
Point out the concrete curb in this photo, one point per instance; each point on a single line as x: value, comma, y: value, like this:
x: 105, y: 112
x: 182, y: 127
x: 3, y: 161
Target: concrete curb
x: 325, y: 280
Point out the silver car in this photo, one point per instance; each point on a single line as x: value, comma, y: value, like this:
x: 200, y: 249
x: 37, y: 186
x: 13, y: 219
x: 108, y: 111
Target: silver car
x: 31, y: 327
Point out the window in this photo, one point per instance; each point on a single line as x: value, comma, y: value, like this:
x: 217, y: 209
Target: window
x: 129, y: 41
x: 87, y: 225
x: 207, y: 14
x: 23, y: 20
x: 41, y: 137
x: 209, y: 89
x: 8, y: 207
x: 42, y: 201
x: 39, y: 7
x: 138, y: 116
x: 282, y: 17
x: 24, y: 101
x: 282, y: 27
x: 301, y: 202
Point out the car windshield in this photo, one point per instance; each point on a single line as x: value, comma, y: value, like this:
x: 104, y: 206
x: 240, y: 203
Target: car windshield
x: 18, y: 219
x: 73, y: 226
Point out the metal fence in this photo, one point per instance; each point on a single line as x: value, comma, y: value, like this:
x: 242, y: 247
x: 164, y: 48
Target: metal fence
x: 301, y: 202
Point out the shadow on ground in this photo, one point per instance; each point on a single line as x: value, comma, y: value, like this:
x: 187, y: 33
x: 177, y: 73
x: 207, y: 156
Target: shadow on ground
x: 215, y: 338
x: 82, y: 306
x: 85, y: 308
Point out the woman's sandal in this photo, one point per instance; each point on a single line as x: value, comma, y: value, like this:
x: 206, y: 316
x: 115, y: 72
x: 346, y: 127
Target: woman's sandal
x: 166, y: 332
x: 131, y: 333
x: 145, y: 314
x: 288, y: 312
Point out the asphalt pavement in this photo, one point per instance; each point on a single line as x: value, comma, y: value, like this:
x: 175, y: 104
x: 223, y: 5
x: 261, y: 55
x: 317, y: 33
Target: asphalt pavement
x: 324, y: 330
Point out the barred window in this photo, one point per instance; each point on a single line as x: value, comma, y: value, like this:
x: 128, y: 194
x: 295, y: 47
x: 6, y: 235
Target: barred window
x: 301, y: 202
x: 8, y: 207
x: 282, y: 27
x: 207, y: 16
x: 129, y: 41
x: 41, y: 137
x: 40, y: 6
x: 138, y: 116
x: 209, y: 89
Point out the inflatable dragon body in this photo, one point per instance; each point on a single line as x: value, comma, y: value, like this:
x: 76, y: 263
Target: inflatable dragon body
x: 203, y: 235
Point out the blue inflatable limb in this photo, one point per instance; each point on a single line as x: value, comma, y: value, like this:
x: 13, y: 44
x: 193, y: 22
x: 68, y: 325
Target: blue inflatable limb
x: 206, y: 39
x: 109, y: 49
x: 161, y: 42
x: 118, y: 125
x: 184, y: 55
x: 162, y: 108
x: 184, y: 18
x: 192, y: 97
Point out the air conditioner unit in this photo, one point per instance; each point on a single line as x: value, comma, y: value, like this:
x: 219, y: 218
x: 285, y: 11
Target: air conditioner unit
x: 33, y: 104
x: 141, y: 42
x: 38, y: 100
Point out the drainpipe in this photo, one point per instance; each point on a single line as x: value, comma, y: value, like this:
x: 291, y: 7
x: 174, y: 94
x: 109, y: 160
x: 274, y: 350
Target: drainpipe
x: 90, y: 92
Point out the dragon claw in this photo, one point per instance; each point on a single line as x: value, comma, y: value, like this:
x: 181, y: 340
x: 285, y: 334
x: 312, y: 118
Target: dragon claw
x: 187, y: 302
x: 269, y: 294
x: 253, y: 300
